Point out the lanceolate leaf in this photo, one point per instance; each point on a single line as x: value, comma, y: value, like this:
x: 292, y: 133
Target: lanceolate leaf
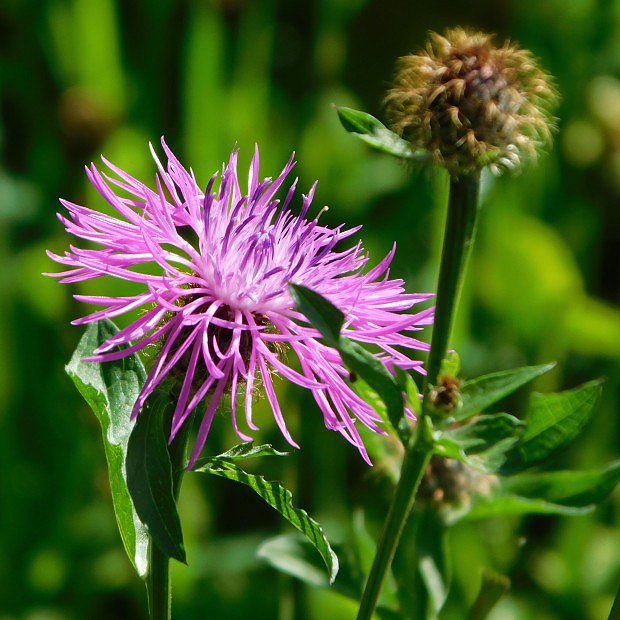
x: 280, y: 498
x: 567, y: 488
x: 150, y: 479
x: 243, y: 451
x: 363, y: 363
x: 479, y: 393
x: 553, y: 422
x: 511, y: 505
x: 483, y: 442
x: 111, y: 390
x: 410, y: 389
x: 370, y: 396
x: 559, y: 492
x: 294, y: 555
x: 329, y: 321
x: 321, y: 313
x: 374, y: 133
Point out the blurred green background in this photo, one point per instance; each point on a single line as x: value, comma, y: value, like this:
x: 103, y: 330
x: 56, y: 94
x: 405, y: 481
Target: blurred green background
x: 84, y: 77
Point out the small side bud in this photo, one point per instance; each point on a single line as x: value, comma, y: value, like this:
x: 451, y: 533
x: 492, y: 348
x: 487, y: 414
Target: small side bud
x: 448, y: 482
x: 446, y: 396
x: 471, y: 104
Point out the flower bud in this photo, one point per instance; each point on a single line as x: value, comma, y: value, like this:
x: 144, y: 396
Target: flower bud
x: 448, y: 482
x: 471, y: 104
x: 446, y: 396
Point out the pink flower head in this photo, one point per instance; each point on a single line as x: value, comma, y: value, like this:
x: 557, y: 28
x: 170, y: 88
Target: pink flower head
x: 214, y: 267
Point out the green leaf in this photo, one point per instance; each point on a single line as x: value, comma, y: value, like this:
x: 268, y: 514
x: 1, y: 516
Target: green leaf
x: 280, y: 498
x: 554, y: 421
x: 294, y: 555
x: 374, y: 133
x: 370, y: 396
x: 451, y: 364
x: 329, y: 321
x: 243, y: 451
x: 410, y: 388
x: 510, y: 505
x: 479, y: 393
x: 321, y: 313
x: 485, y: 431
x: 111, y: 390
x: 577, y: 489
x: 559, y: 492
x: 373, y: 371
x: 492, y: 588
x: 150, y: 478
x: 432, y: 567
x: 483, y: 442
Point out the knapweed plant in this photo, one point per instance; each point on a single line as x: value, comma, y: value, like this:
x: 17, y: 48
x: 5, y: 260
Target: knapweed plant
x: 237, y: 283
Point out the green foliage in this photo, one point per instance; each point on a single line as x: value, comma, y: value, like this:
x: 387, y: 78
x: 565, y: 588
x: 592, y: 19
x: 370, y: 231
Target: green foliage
x: 410, y: 388
x: 483, y: 442
x: 554, y: 422
x: 376, y: 135
x: 451, y: 364
x: 516, y: 263
x: 500, y: 443
x: 556, y: 492
x: 614, y: 613
x: 321, y: 313
x: 329, y: 321
x: 150, y: 478
x: 294, y: 555
x: 111, y: 389
x: 363, y: 363
x: 243, y: 451
x: 579, y: 489
x: 276, y: 495
x: 208, y: 75
x: 489, y: 443
x: 480, y: 393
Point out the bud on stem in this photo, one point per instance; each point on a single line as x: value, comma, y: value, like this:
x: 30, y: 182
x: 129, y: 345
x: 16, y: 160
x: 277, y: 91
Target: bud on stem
x: 471, y: 104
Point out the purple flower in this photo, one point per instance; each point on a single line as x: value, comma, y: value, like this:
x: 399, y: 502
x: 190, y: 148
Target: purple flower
x: 214, y: 268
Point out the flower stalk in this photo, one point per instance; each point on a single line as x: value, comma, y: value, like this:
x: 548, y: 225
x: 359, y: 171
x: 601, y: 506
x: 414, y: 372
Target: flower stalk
x: 158, y: 584
x: 414, y: 464
x: 158, y: 581
x: 458, y: 240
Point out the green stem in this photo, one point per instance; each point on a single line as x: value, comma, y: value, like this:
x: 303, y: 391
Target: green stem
x: 414, y: 465
x: 158, y: 584
x: 458, y: 238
